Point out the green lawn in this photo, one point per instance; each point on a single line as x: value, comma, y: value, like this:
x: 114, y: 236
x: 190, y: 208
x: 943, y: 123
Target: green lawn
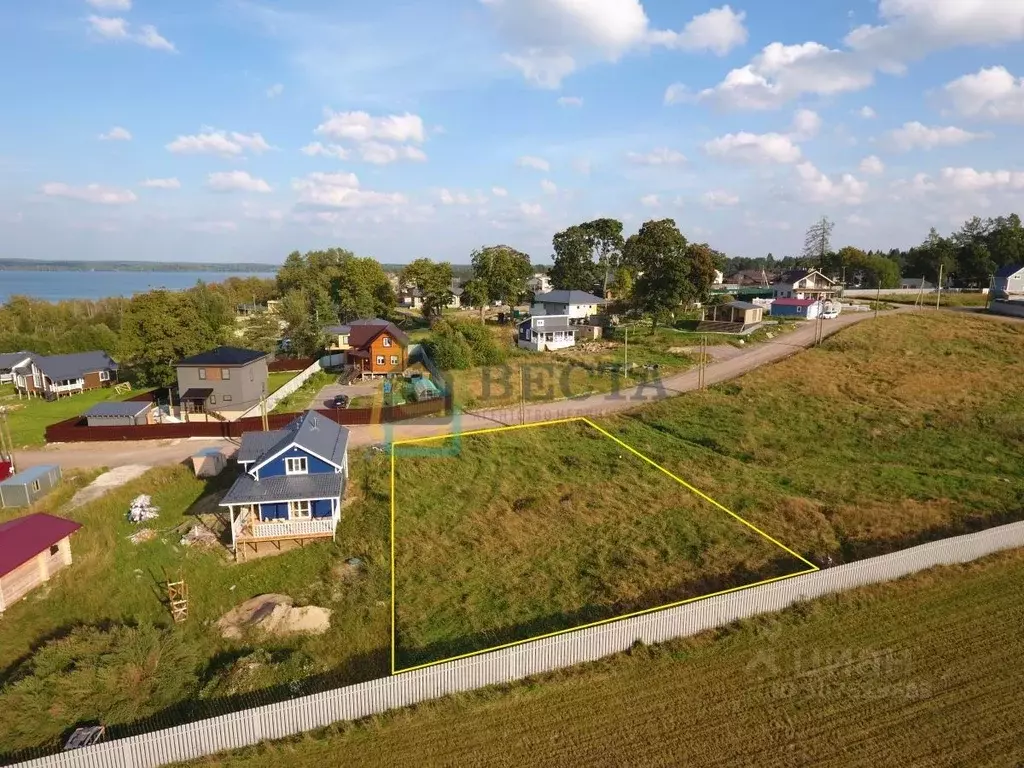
x: 29, y: 417
x: 948, y: 299
x: 504, y: 536
x: 302, y: 398
x: 277, y: 380
x: 911, y: 673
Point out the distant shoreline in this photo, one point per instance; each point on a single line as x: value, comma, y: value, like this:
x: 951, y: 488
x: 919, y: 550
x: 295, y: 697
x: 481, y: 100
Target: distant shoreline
x: 31, y: 265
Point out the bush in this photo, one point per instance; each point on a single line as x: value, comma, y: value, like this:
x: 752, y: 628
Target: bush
x: 450, y: 352
x: 457, y: 346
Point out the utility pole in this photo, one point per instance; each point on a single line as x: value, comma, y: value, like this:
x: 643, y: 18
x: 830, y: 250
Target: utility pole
x: 625, y: 358
x: 938, y: 292
x: 522, y: 394
x: 10, y: 440
x: 878, y: 295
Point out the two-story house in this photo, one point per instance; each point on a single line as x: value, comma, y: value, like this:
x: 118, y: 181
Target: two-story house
x: 374, y: 347
x: 1008, y: 281
x: 291, y: 486
x: 56, y: 375
x: 575, y: 304
x: 227, y: 381
x: 805, y: 284
x: 538, y: 283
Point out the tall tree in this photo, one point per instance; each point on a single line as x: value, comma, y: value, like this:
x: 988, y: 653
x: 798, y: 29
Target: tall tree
x: 434, y: 281
x: 573, y: 268
x: 666, y: 269
x: 262, y: 331
x: 158, y: 329
x: 818, y: 242
x: 604, y: 236
x: 935, y: 255
x: 503, y: 271
x: 474, y: 294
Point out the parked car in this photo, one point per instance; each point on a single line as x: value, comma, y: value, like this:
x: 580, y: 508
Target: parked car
x: 832, y: 315
x: 340, y: 401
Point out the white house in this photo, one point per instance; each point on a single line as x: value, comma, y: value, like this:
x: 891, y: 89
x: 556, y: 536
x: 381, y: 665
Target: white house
x: 804, y: 284
x: 1009, y: 281
x: 575, y: 304
x: 719, y: 278
x: 539, y: 283
x: 545, y: 332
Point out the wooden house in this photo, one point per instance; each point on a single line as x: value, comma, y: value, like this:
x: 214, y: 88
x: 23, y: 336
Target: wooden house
x: 32, y: 549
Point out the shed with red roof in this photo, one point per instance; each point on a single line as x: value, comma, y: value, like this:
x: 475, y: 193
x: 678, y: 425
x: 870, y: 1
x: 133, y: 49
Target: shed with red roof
x: 32, y: 549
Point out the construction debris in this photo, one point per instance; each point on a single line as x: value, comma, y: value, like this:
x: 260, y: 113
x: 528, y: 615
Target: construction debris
x: 201, y: 536
x: 141, y: 535
x: 142, y: 509
x: 275, y: 615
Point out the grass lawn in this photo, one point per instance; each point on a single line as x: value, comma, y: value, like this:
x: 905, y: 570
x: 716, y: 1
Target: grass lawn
x: 29, y: 418
x: 508, y: 535
x: 113, y: 584
x: 276, y: 380
x: 302, y: 398
x: 948, y: 299
x: 912, y: 673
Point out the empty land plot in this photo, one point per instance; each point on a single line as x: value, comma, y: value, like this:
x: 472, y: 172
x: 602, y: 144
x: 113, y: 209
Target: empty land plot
x: 503, y: 536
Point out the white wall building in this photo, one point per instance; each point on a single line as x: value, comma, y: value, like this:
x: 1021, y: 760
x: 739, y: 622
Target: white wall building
x: 576, y: 304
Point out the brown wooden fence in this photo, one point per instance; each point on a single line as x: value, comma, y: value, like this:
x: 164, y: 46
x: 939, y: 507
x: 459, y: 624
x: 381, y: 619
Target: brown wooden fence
x: 76, y: 430
x: 291, y: 364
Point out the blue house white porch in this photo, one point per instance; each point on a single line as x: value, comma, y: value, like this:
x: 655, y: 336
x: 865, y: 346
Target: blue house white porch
x: 292, y: 485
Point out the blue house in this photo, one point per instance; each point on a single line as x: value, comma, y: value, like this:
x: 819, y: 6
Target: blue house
x: 292, y: 485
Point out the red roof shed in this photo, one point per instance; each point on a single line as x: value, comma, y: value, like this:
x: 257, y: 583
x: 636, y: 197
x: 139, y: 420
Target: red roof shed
x: 25, y: 537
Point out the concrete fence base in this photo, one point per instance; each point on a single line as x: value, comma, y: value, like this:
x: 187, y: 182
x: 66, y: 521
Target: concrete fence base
x: 353, y: 702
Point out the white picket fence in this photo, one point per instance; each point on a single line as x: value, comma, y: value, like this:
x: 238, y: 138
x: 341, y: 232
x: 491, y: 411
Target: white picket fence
x: 283, y: 392
x: 275, y: 721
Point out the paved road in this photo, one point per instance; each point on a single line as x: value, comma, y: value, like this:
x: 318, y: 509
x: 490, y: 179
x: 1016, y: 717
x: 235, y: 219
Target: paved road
x: 153, y: 452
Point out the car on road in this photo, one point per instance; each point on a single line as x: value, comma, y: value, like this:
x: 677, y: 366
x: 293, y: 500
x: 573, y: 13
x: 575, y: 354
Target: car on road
x: 339, y: 401
x: 830, y: 315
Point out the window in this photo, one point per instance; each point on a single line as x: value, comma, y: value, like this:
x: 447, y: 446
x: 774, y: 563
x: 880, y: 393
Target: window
x: 226, y: 398
x: 213, y: 399
x: 104, y: 375
x: 540, y: 323
x: 296, y: 465
x: 35, y: 486
x: 225, y: 374
x: 394, y: 359
x: 387, y: 341
x: 298, y: 510
x: 54, y: 549
x: 380, y: 359
x: 202, y: 374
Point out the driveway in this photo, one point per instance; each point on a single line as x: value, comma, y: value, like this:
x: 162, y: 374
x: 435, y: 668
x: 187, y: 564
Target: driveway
x: 114, y: 454
x: 355, y: 389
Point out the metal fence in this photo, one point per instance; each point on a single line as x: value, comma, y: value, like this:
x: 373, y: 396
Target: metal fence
x: 276, y: 721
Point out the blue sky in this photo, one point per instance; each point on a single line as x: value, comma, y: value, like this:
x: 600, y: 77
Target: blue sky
x: 240, y: 130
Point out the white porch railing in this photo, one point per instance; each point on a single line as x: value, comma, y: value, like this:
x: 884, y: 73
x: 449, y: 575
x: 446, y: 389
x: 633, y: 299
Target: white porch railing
x: 274, y: 530
x: 73, y: 387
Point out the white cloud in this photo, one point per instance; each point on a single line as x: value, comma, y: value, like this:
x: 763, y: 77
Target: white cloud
x: 754, y: 148
x: 90, y: 193
x: 582, y: 166
x: 570, y: 101
x: 382, y: 154
x: 235, y: 181
x: 551, y: 39
x: 537, y: 163
x: 212, y: 142
x: 361, y: 126
x: 677, y: 93
x: 340, y: 190
x: 867, y: 113
x: 117, y: 133
x: 111, y: 5
x: 548, y: 187
x: 275, y: 90
x: 650, y: 201
x: 531, y: 209
x: 873, y: 165
x: 659, y: 157
x: 212, y: 227
x: 171, y: 183
x: 327, y: 150
x: 970, y: 180
x: 719, y: 31
x: 448, y: 197
x: 816, y: 187
x: 915, y: 135
x: 806, y: 125
x: 116, y: 28
x: 717, y: 198
x: 499, y: 191
x: 992, y: 94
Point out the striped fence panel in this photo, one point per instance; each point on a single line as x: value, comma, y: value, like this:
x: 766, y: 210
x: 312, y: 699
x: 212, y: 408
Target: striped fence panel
x: 352, y: 702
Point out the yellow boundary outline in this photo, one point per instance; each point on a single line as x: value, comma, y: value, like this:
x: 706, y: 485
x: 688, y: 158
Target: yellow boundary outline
x: 576, y: 419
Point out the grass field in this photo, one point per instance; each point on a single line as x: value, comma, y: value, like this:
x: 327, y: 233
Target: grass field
x: 507, y: 535
x: 948, y: 299
x: 302, y: 398
x: 29, y: 418
x: 276, y: 380
x: 912, y: 673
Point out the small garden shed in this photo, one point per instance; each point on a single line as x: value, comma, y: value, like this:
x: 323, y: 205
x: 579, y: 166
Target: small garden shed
x: 32, y: 549
x: 30, y: 485
x: 126, y: 414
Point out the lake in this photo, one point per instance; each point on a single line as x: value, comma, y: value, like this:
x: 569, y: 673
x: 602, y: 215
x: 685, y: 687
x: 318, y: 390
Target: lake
x: 57, y: 285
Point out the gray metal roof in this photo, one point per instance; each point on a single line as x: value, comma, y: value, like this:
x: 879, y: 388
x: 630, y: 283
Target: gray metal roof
x: 10, y: 359
x: 26, y: 476
x: 314, y: 432
x: 74, y: 366
x: 224, y: 356
x: 743, y: 305
x: 255, y: 444
x: 552, y: 323
x: 1009, y: 270
x: 246, y: 490
x: 338, y: 330
x: 568, y: 297
x: 128, y: 408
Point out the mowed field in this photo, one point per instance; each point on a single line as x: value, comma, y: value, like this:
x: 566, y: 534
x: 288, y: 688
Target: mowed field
x: 917, y: 673
x: 506, y: 535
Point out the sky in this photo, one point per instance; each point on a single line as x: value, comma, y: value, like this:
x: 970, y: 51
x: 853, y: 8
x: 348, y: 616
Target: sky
x: 241, y: 130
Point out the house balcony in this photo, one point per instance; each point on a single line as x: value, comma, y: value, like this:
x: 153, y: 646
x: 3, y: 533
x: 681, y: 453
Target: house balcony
x: 249, y: 528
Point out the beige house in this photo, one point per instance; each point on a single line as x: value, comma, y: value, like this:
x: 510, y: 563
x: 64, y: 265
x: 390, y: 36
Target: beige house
x: 32, y: 549
x: 735, y: 312
x: 224, y: 382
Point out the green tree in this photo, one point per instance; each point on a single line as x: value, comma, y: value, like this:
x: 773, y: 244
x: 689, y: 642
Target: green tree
x: 300, y: 309
x: 936, y: 254
x: 434, y: 281
x: 474, y: 294
x: 667, y: 269
x: 159, y: 328
x: 503, y: 271
x: 573, y: 268
x: 262, y: 331
x: 818, y: 242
